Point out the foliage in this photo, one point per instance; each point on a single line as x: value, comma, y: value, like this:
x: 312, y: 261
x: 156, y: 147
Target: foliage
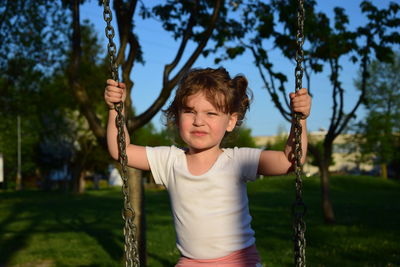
x: 32, y: 34
x: 319, y: 146
x: 56, y: 229
x: 379, y: 131
x: 19, y: 97
x: 71, y: 142
x: 33, y: 30
x: 240, y: 137
x: 280, y: 141
x: 177, y: 16
x: 149, y: 136
x: 53, y: 133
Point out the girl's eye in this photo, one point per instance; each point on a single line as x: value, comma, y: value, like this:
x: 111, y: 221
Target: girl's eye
x: 212, y: 114
x: 188, y: 111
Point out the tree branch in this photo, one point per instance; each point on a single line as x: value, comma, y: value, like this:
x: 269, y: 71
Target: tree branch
x: 340, y: 94
x: 124, y: 13
x: 74, y: 80
x: 364, y: 67
x: 333, y: 119
x: 202, y: 44
x: 270, y: 86
x: 188, y: 32
x: 169, y: 84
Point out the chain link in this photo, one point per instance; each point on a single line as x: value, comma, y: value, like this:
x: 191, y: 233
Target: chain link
x: 128, y: 213
x: 299, y: 208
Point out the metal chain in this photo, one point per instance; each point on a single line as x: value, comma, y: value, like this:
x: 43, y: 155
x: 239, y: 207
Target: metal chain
x: 128, y: 213
x: 299, y: 208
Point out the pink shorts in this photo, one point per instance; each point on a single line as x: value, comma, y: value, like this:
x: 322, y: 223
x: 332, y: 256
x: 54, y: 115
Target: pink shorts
x: 247, y: 257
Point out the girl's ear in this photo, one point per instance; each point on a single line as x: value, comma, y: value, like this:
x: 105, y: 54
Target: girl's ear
x: 232, y: 122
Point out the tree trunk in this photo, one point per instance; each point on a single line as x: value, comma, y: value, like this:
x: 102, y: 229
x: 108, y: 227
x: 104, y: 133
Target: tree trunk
x: 78, y: 177
x: 384, y: 173
x: 75, y: 178
x: 327, y: 209
x: 18, y: 182
x: 322, y: 158
x: 136, y: 198
x: 82, y: 182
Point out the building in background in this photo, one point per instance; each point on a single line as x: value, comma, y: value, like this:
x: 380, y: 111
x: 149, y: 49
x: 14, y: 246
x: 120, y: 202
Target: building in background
x: 346, y: 154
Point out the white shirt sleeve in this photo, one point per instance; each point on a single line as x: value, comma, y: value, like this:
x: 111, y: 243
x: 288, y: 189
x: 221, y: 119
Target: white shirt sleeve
x: 248, y: 159
x: 160, y: 161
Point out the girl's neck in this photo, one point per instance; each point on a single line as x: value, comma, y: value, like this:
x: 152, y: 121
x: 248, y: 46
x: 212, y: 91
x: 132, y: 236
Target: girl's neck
x: 206, y: 153
x: 199, y: 162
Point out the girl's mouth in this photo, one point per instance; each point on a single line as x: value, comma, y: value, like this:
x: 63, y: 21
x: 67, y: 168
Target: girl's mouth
x: 198, y: 133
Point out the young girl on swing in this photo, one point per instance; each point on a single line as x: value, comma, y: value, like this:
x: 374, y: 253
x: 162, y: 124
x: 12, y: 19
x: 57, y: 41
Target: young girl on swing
x: 207, y: 183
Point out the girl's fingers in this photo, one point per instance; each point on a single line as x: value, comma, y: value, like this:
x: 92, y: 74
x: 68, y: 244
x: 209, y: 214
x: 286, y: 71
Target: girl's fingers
x: 121, y: 85
x: 304, y: 100
x: 114, y: 90
x: 301, y: 102
x: 113, y: 94
x: 112, y: 82
x: 301, y: 92
x: 114, y: 98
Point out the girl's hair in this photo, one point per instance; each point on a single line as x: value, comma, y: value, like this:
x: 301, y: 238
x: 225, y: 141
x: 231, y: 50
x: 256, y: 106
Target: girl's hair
x: 225, y: 94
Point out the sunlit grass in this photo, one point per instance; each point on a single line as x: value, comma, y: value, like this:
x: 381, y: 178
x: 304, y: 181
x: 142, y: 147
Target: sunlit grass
x: 59, y: 229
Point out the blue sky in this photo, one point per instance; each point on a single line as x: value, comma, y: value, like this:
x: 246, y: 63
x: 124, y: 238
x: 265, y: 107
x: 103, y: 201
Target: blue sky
x: 263, y: 118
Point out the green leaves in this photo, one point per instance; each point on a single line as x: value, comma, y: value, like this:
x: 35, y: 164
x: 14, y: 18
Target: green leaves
x: 32, y: 29
x: 235, y: 51
x: 379, y: 130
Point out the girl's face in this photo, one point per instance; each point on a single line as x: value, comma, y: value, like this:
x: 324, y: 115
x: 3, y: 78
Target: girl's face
x: 201, y: 125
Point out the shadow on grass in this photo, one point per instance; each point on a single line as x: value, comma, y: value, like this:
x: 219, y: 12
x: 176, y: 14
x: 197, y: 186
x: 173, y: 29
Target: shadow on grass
x: 12, y: 241
x: 96, y: 229
x: 29, y: 213
x: 365, y: 234
x: 367, y: 218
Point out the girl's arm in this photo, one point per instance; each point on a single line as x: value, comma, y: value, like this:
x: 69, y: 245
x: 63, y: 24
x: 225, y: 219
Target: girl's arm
x: 281, y: 162
x: 137, y: 157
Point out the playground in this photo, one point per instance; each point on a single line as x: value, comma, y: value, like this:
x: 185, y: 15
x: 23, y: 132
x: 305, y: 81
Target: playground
x: 88, y: 165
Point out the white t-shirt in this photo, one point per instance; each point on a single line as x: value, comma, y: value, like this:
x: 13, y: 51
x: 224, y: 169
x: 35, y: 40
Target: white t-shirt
x: 210, y: 211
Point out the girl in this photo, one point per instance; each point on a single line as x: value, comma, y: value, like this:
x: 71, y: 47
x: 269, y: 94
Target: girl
x: 206, y: 183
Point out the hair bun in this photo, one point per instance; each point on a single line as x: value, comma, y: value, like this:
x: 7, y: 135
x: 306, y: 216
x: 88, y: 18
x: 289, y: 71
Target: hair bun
x: 240, y: 83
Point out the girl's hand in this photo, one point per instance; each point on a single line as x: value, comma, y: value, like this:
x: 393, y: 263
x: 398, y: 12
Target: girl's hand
x: 301, y: 102
x: 114, y: 93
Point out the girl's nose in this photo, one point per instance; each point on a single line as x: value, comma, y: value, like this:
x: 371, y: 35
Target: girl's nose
x: 198, y: 120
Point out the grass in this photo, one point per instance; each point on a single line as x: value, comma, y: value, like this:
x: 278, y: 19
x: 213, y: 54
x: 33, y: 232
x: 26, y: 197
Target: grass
x: 57, y: 229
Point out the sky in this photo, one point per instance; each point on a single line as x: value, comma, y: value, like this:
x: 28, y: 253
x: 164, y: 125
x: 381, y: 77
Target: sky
x: 263, y: 118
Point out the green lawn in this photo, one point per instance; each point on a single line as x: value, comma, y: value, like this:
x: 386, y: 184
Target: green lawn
x: 57, y: 229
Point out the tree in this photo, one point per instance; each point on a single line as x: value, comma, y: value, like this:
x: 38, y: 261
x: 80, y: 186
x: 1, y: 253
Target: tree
x: 239, y: 137
x: 279, y: 142
x: 18, y: 89
x: 328, y: 45
x: 34, y: 30
x: 379, y: 131
x: 31, y: 47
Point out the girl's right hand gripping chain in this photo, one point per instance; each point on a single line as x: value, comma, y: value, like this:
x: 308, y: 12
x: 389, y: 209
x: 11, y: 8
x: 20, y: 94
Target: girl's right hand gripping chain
x: 114, y: 93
